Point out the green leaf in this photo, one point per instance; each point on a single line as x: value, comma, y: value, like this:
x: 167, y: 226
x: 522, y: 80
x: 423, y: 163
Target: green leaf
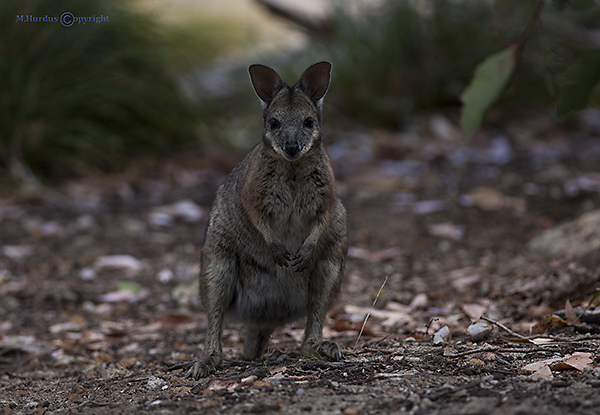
x: 134, y: 287
x: 489, y: 80
x: 574, y: 95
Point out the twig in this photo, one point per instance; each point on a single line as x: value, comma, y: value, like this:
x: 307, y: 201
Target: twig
x: 503, y: 327
x: 369, y: 313
x: 500, y: 350
x: 431, y: 320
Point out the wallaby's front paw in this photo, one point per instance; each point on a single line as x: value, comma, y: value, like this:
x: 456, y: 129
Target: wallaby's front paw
x: 326, y: 350
x: 302, y: 258
x: 280, y: 254
x: 201, y: 369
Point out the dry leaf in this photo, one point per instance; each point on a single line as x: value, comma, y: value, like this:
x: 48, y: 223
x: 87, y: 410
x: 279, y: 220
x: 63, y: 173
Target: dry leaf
x: 578, y: 361
x: 103, y: 357
x: 446, y: 230
x: 127, y: 362
x: 77, y: 393
x: 216, y: 385
x: 490, y: 199
x: 535, y: 366
x: 547, y: 324
x: 570, y: 314
x: 476, y: 362
x: 389, y: 317
x: 474, y: 311
x: 377, y: 256
x: 181, y: 390
x: 544, y: 373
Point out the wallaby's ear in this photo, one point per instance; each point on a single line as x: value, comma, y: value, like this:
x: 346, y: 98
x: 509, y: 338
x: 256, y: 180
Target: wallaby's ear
x: 265, y: 81
x: 315, y: 80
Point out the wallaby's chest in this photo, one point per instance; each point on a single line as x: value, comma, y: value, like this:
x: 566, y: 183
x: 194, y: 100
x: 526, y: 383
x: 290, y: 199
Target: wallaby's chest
x: 292, y: 203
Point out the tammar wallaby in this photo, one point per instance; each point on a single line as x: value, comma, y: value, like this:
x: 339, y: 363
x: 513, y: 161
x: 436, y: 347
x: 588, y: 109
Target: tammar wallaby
x: 276, y: 242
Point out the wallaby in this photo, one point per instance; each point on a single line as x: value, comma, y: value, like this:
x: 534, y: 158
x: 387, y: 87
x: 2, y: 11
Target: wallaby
x: 276, y: 241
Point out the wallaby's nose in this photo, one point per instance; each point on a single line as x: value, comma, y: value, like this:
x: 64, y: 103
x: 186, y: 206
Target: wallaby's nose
x: 292, y: 149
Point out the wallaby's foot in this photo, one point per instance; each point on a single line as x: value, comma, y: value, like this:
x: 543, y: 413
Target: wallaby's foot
x: 326, y: 350
x: 201, y: 369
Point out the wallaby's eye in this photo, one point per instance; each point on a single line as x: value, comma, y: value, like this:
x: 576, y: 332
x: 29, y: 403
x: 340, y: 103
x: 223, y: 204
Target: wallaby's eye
x: 309, y: 122
x: 274, y: 124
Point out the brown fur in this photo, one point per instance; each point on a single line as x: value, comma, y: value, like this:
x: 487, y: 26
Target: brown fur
x: 275, y: 243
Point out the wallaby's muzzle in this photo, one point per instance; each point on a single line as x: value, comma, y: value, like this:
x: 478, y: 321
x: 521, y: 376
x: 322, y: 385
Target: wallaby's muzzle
x: 292, y: 149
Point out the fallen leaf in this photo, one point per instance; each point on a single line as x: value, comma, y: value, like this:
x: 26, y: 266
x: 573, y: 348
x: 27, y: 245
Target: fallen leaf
x: 124, y: 295
x: 260, y: 384
x: 464, y: 277
x: 103, y: 357
x: 376, y: 256
x: 389, y: 317
x: 474, y: 311
x: 353, y: 410
x: 181, y: 390
x: 544, y: 373
x: 535, y: 366
x: 542, y: 340
x: 446, y: 230
x: 17, y: 251
x: 570, y: 314
x: 77, y: 393
x: 578, y: 361
x: 127, y: 362
x: 127, y: 263
x: 429, y: 206
x: 419, y: 301
x: 548, y: 323
x: 490, y: 199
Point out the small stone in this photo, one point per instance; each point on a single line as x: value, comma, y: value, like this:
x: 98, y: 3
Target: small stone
x: 249, y: 380
x: 479, y: 331
x: 441, y: 335
x: 154, y: 383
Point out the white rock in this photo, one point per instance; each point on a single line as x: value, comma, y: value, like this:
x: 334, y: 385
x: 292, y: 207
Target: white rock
x: 127, y: 263
x: 186, y: 210
x: 165, y: 275
x: 479, y: 331
x: 154, y: 383
x: 441, y: 335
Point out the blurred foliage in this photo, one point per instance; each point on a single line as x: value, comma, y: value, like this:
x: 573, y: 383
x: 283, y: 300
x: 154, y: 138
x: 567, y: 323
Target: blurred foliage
x: 406, y: 55
x: 86, y: 95
x: 580, y: 74
x: 489, y: 80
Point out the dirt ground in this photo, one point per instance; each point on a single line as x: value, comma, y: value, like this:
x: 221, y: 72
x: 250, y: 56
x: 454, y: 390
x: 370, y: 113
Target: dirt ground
x: 99, y: 311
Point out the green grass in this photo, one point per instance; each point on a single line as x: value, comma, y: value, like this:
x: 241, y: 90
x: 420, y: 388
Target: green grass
x: 86, y: 95
x: 404, y: 56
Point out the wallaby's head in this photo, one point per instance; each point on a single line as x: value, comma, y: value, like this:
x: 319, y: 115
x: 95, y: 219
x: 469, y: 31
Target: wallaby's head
x: 291, y: 115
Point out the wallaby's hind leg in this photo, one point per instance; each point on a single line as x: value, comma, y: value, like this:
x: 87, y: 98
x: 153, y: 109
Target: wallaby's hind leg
x: 325, y: 287
x: 257, y: 340
x: 216, y: 286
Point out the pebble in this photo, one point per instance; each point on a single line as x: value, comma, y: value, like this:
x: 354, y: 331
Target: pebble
x: 479, y: 331
x: 441, y: 335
